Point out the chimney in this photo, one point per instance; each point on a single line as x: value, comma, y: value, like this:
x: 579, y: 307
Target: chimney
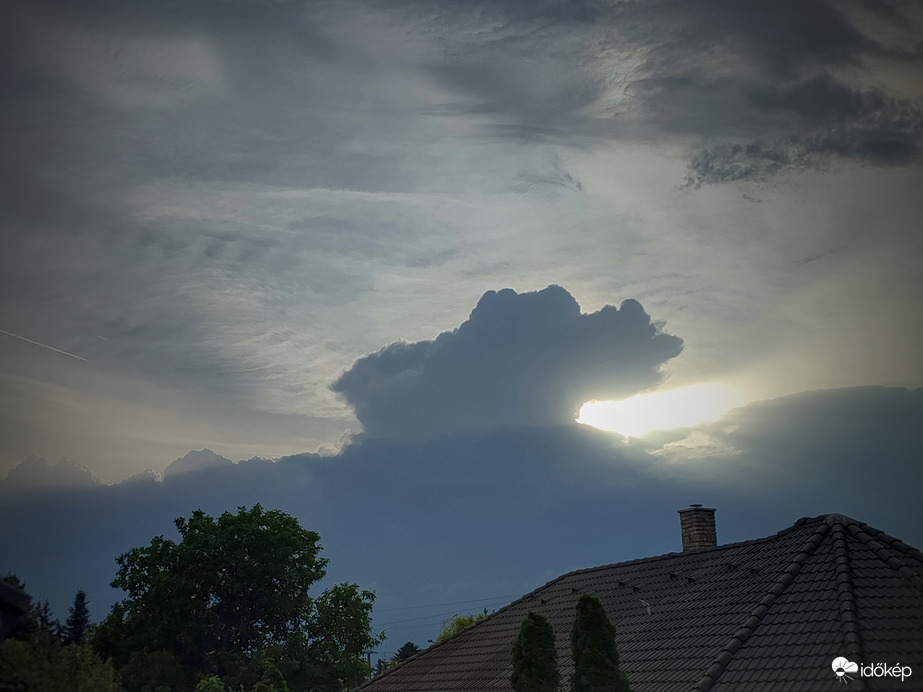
x: 698, y: 527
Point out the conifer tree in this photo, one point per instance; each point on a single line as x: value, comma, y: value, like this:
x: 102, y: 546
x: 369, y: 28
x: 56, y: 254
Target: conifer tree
x: 409, y: 649
x: 596, y: 660
x: 535, y: 660
x: 78, y: 619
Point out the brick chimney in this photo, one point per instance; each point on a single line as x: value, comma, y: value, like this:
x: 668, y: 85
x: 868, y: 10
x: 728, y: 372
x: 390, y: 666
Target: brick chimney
x: 698, y: 527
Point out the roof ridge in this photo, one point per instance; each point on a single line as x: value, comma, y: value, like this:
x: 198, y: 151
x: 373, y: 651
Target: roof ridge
x: 756, y: 616
x: 699, y: 551
x: 884, y: 547
x: 844, y: 586
x: 583, y: 570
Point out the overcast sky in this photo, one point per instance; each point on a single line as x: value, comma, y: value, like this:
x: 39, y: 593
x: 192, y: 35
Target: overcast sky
x: 413, y: 236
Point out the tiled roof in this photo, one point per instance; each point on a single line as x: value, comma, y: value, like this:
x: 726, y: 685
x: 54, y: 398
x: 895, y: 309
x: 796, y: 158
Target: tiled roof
x: 768, y: 614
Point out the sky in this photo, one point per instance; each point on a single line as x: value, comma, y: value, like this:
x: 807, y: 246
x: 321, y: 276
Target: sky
x: 384, y: 250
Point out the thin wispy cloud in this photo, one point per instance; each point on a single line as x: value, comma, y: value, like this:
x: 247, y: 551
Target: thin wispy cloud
x: 283, y: 229
x: 36, y: 343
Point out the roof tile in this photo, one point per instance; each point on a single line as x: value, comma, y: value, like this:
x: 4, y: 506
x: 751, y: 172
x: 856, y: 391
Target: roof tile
x: 768, y: 614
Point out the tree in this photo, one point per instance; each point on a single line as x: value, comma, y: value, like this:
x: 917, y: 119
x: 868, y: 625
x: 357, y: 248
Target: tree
x: 78, y: 619
x: 35, y: 657
x: 535, y: 660
x: 36, y: 618
x: 409, y: 649
x: 231, y: 600
x: 210, y: 684
x: 596, y: 660
x: 340, y: 636
x: 457, y: 623
x: 44, y: 663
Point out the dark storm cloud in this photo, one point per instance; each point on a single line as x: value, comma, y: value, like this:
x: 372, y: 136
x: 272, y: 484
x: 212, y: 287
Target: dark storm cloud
x: 768, y: 86
x: 741, y: 76
x: 782, y: 37
x: 770, y: 82
x: 833, y: 121
x: 861, y: 441
x: 519, y: 359
x: 856, y: 447
x: 501, y: 511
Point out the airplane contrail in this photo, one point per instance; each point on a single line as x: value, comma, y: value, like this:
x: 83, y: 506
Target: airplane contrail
x: 16, y: 336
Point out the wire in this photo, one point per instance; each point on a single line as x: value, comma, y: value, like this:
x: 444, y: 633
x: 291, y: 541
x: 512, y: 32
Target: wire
x: 424, y: 617
x: 437, y: 605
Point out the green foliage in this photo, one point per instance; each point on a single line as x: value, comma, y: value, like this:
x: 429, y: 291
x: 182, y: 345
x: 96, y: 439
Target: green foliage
x: 341, y: 635
x: 231, y: 600
x: 35, y: 656
x: 210, y: 684
x: 28, y: 622
x: 110, y: 639
x: 43, y: 662
x: 149, y: 671
x: 457, y: 623
x: 272, y: 679
x: 13, y: 580
x: 596, y: 660
x: 406, y: 651
x: 36, y: 619
x: 78, y: 619
x: 535, y: 660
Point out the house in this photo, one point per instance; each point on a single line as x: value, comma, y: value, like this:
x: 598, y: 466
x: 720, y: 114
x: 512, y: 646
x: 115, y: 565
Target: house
x: 14, y: 603
x: 767, y: 614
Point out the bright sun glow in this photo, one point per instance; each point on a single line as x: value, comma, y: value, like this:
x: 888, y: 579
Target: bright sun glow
x: 676, y: 408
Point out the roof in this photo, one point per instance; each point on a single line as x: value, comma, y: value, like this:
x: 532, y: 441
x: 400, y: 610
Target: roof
x: 767, y: 614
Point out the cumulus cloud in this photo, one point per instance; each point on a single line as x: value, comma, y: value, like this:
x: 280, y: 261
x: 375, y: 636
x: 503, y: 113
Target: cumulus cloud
x: 196, y: 461
x: 35, y: 472
x: 519, y: 359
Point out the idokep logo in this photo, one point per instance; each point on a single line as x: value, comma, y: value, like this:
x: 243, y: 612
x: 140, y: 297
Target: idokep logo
x: 842, y: 667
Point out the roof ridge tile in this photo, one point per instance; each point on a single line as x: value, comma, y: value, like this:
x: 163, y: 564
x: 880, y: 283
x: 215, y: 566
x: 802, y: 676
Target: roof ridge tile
x: 753, y: 620
x: 849, y: 560
x: 845, y: 595
x: 883, y: 550
x: 698, y: 552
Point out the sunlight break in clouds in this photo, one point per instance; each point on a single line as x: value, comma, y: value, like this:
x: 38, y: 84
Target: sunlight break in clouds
x: 677, y: 408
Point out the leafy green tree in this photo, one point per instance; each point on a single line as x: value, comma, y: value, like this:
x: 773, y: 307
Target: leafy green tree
x: 35, y: 658
x: 406, y: 651
x: 596, y: 660
x: 156, y: 671
x: 457, y: 623
x: 45, y: 663
x: 210, y: 684
x: 535, y: 660
x: 271, y: 680
x: 340, y: 636
x: 231, y: 600
x: 78, y: 619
